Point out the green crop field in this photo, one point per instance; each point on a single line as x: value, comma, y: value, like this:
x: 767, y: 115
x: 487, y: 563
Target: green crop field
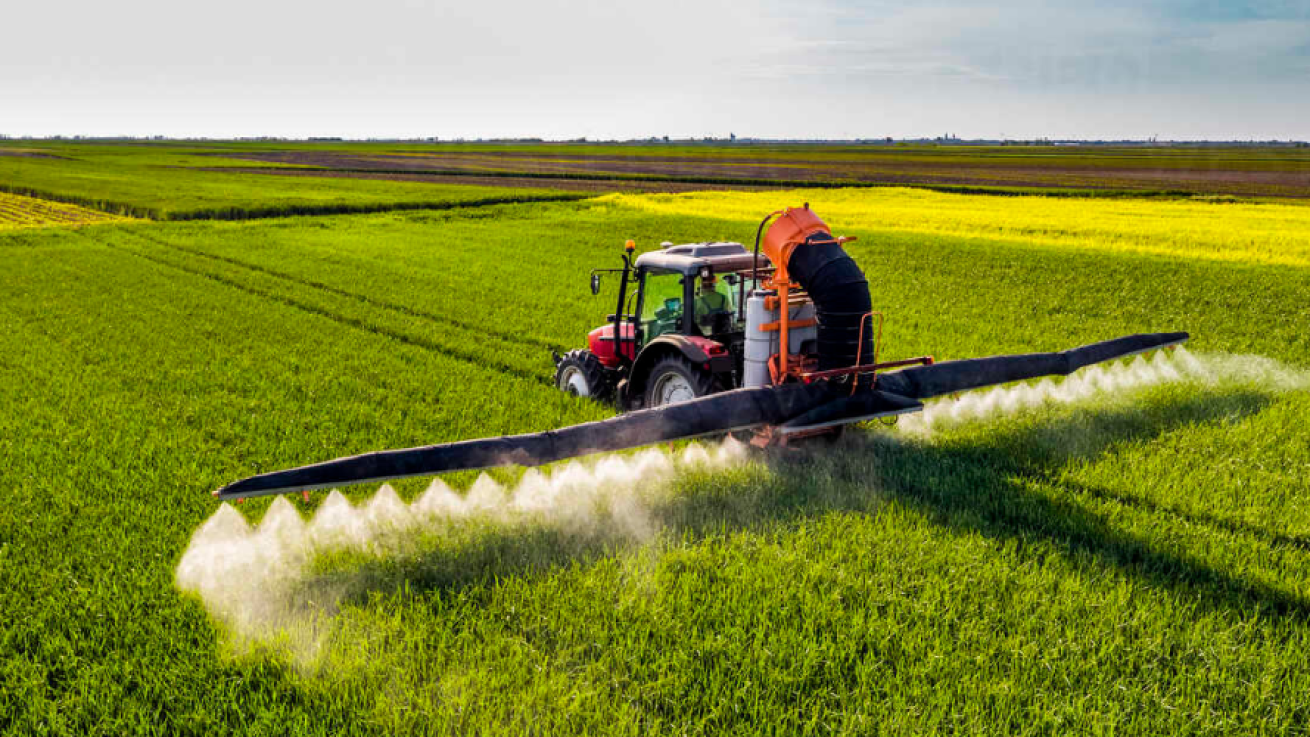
x: 153, y: 182
x: 205, y: 179
x: 1132, y: 557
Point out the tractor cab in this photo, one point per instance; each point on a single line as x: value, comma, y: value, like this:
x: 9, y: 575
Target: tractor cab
x: 680, y: 326
x: 691, y: 290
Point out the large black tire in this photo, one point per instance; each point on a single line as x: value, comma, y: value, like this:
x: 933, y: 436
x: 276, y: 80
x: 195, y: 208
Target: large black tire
x: 580, y: 373
x: 675, y: 379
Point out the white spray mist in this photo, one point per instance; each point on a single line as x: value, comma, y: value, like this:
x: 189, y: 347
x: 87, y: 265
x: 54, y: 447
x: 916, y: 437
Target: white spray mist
x: 246, y: 575
x: 1104, y: 380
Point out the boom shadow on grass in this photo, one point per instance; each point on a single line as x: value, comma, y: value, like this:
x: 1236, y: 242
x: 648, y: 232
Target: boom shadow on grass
x: 1001, y: 482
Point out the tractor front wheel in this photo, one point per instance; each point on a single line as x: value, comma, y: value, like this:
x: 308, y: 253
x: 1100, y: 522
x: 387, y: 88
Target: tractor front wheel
x: 581, y: 374
x: 675, y: 379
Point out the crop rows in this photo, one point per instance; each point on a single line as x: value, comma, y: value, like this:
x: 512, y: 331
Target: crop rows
x: 169, y: 384
x: 516, y: 355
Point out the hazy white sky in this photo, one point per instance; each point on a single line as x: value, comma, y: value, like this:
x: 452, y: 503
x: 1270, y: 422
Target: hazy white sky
x: 619, y: 68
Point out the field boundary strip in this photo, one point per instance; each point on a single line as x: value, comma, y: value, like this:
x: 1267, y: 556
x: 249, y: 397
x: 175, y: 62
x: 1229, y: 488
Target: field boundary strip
x: 371, y: 301
x: 479, y: 360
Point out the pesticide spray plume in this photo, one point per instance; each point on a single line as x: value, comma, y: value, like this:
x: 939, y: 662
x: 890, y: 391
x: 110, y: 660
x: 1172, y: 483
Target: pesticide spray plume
x: 1118, y: 379
x: 250, y: 576
x: 258, y: 579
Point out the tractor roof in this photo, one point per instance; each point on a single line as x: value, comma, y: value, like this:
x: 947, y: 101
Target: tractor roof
x: 690, y: 258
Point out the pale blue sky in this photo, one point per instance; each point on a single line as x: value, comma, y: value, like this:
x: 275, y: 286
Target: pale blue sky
x: 830, y: 68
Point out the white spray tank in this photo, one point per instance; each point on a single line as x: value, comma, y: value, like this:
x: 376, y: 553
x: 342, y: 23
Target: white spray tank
x: 761, y: 344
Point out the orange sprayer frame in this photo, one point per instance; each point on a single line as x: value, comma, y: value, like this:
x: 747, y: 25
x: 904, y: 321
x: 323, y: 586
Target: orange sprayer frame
x: 793, y: 226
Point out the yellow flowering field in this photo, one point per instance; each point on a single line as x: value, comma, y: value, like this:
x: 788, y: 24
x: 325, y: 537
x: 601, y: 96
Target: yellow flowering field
x: 1250, y: 232
x: 19, y: 211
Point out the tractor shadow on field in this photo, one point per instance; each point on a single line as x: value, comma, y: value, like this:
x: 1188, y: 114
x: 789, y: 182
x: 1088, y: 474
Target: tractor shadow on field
x: 1005, y: 484
x: 1001, y: 481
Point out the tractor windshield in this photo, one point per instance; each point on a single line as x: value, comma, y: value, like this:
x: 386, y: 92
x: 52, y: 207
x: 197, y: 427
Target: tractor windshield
x: 661, y: 304
x: 715, y: 304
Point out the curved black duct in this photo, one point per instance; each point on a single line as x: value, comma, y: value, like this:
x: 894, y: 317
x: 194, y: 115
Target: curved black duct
x: 841, y: 300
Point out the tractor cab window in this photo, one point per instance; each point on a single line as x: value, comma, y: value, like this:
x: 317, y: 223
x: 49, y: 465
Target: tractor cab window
x: 661, y: 304
x: 716, y: 303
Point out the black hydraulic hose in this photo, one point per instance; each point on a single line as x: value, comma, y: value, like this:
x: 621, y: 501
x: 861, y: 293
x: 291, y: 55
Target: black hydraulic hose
x: 755, y: 270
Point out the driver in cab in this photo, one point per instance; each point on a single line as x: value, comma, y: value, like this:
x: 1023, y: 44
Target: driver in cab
x: 711, y: 306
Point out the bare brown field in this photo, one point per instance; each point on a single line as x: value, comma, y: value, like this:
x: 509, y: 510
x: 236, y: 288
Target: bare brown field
x: 567, y: 185
x: 1288, y: 177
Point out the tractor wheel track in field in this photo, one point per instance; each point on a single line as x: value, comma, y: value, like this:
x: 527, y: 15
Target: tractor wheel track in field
x: 480, y: 360
x: 371, y: 301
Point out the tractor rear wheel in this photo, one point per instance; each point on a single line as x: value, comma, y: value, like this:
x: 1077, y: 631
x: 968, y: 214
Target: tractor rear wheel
x: 675, y: 379
x: 581, y: 374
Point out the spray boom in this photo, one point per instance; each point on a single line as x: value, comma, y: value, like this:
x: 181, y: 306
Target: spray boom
x: 815, y: 296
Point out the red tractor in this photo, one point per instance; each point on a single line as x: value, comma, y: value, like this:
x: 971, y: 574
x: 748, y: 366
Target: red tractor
x: 681, y: 332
